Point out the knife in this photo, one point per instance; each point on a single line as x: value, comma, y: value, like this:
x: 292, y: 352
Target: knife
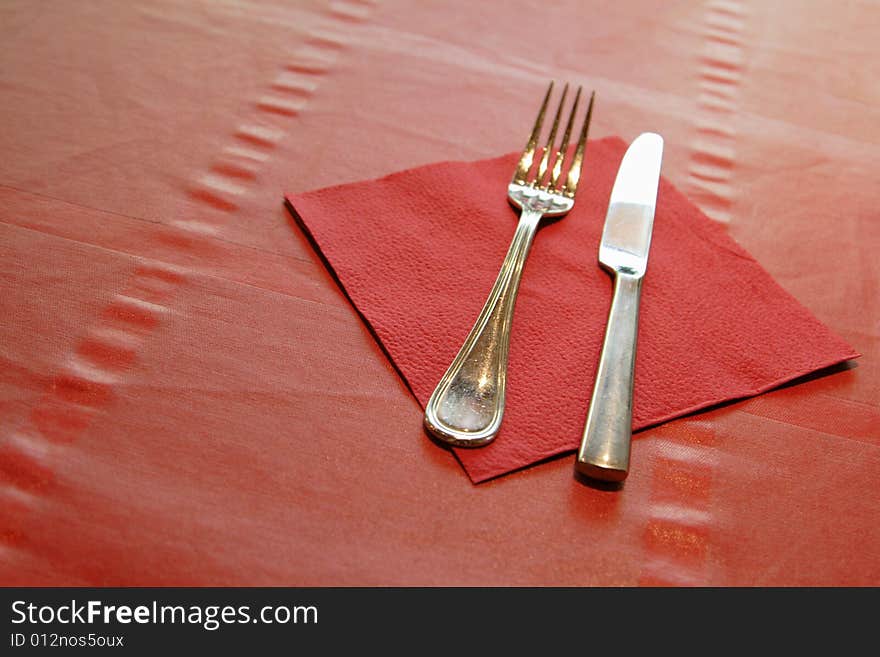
x: 626, y: 238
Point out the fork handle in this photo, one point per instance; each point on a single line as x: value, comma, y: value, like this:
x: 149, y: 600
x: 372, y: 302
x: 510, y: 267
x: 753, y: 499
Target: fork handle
x: 467, y: 405
x: 605, y: 448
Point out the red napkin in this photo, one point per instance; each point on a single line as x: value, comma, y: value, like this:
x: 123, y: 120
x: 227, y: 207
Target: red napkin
x: 417, y: 253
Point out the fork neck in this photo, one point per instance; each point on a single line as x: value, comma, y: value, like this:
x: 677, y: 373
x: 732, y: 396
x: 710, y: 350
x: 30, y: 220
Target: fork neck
x: 530, y: 217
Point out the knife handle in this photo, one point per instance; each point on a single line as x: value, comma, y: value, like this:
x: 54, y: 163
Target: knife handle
x: 604, y: 450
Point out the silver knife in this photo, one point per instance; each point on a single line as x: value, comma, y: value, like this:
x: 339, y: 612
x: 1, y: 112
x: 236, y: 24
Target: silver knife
x: 626, y: 238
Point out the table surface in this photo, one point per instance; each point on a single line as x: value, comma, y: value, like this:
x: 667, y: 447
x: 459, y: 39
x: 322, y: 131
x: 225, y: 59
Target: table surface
x: 186, y: 396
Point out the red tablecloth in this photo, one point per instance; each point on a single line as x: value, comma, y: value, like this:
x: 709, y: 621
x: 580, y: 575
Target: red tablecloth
x: 187, y: 398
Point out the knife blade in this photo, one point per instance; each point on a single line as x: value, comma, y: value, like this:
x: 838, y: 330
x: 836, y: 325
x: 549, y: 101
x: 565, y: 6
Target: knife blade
x: 626, y: 239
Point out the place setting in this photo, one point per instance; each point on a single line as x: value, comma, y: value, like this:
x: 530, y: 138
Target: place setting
x: 559, y: 298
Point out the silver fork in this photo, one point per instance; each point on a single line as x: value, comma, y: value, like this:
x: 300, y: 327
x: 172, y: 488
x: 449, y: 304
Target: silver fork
x: 467, y: 405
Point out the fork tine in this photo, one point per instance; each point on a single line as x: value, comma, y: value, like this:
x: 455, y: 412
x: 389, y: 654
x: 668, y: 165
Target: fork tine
x: 548, y: 149
x: 528, y: 155
x: 563, y: 147
x: 574, y: 173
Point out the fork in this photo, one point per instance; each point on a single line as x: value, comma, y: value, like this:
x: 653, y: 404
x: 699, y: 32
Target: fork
x: 467, y: 405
